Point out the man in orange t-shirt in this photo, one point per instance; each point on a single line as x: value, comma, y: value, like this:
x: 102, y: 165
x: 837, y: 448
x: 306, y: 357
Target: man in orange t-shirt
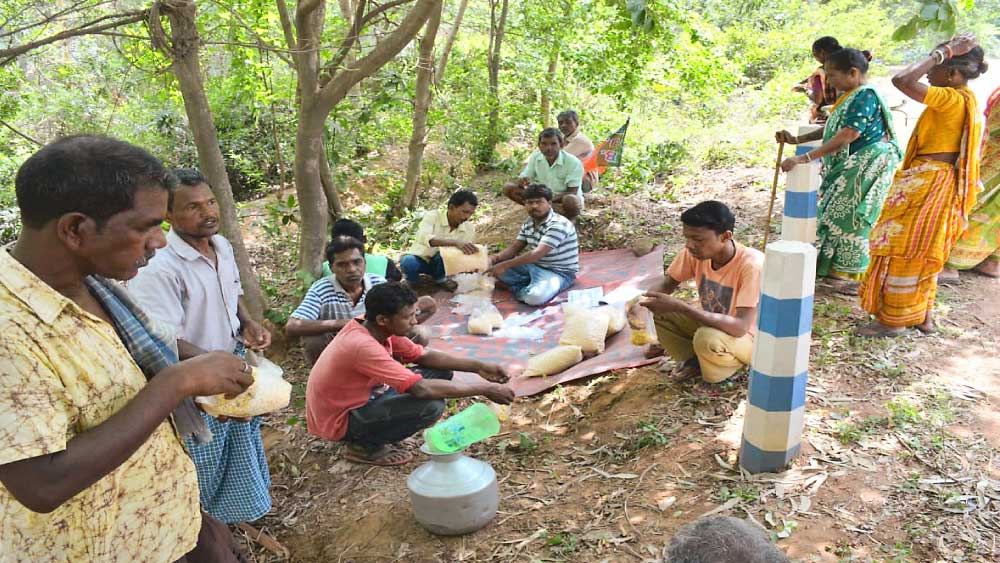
x: 360, y: 391
x: 715, y: 339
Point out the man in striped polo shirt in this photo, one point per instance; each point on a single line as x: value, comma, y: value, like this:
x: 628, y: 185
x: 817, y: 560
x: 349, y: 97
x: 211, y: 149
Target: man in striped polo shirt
x: 553, y: 253
x: 334, y: 301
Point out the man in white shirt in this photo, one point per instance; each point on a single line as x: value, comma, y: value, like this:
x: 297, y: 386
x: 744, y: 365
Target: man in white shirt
x: 441, y: 227
x: 193, y: 285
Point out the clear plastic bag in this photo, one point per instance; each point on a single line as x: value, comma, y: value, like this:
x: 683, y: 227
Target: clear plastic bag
x: 268, y: 393
x: 640, y: 320
x: 485, y: 318
x: 474, y: 284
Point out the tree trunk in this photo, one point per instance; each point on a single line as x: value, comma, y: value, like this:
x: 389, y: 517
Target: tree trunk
x: 335, y: 208
x: 549, y: 84
x: 322, y: 87
x: 421, y: 103
x: 450, y: 42
x: 497, y: 26
x: 183, y: 50
x: 309, y: 156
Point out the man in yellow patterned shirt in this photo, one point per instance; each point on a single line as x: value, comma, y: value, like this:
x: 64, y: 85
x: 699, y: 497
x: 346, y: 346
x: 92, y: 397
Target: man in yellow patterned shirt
x: 90, y: 467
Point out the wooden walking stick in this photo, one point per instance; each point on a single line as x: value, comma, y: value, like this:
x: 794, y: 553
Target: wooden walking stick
x: 774, y: 192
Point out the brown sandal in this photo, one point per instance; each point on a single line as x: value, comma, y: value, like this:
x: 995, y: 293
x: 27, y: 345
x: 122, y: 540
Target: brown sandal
x: 385, y: 456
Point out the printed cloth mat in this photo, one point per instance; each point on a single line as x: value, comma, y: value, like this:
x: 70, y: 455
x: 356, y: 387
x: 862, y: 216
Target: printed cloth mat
x: 610, y: 269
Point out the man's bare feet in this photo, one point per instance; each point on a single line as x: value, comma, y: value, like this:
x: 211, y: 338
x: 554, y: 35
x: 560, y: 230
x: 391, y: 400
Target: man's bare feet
x: 876, y: 329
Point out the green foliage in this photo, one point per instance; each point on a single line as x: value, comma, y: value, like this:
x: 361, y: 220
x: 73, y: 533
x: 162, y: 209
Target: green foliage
x: 939, y: 16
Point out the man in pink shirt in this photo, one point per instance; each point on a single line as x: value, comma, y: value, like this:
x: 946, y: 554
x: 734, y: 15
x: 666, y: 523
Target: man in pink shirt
x: 714, y: 338
x: 361, y: 393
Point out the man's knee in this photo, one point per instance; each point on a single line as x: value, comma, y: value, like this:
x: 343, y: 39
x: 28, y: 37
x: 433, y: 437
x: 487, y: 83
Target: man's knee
x: 426, y: 305
x: 536, y: 296
x: 313, y: 346
x: 514, y: 192
x: 710, y: 341
x: 410, y: 263
x: 571, y: 205
x: 431, y: 413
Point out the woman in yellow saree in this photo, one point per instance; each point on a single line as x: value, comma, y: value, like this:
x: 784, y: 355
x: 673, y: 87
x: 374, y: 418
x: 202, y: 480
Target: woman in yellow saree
x: 928, y: 205
x: 978, y: 249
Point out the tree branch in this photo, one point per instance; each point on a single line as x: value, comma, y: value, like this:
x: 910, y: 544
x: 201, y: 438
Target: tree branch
x: 330, y: 68
x: 334, y: 90
x: 20, y: 134
x: 286, y: 29
x: 261, y: 43
x: 49, y: 19
x: 380, y: 9
x: 9, y: 54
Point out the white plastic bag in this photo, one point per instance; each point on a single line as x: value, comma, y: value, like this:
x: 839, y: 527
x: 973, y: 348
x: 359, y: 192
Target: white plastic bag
x: 458, y: 262
x: 268, y: 393
x: 553, y: 361
x: 586, y: 328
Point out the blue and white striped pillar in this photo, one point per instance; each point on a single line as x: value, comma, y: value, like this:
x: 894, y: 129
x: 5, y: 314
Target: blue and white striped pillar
x: 772, y: 425
x: 801, y: 188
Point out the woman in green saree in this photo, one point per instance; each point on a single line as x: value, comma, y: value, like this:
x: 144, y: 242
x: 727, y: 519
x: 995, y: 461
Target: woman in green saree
x: 860, y: 156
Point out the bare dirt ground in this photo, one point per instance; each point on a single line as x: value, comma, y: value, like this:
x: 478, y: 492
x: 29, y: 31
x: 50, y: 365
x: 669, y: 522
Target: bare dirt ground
x: 898, y: 463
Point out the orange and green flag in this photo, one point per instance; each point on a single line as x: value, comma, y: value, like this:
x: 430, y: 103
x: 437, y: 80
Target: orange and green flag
x: 608, y: 153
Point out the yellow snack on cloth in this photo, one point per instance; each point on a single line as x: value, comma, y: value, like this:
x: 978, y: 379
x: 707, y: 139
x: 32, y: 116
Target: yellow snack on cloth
x: 268, y: 393
x: 553, y: 361
x: 458, y: 262
x: 586, y: 328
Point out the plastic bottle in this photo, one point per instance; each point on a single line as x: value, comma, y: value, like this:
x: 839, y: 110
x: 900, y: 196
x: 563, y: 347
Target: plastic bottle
x: 457, y: 432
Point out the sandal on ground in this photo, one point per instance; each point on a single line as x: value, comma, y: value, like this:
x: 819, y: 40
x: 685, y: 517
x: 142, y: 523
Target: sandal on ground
x: 386, y: 456
x: 686, y: 371
x: 876, y: 330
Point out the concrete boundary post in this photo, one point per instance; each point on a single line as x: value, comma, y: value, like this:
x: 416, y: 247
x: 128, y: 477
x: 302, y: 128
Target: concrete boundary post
x: 801, y: 189
x: 772, y: 426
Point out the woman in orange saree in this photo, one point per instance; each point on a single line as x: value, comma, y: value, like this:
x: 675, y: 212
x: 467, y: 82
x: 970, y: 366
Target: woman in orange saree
x: 928, y: 205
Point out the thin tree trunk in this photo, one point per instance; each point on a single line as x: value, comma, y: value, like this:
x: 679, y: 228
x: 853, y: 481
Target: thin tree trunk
x: 450, y: 42
x: 336, y: 209
x: 309, y: 185
x: 496, y: 41
x: 549, y: 83
x: 183, y: 49
x: 421, y: 103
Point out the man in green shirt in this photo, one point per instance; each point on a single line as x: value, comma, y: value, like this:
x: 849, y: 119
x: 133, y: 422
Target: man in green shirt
x: 560, y: 171
x: 375, y: 263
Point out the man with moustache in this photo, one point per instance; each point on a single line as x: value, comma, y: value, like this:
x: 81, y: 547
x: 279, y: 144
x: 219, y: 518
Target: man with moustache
x: 552, y: 257
x: 91, y: 468
x: 193, y: 286
x: 555, y: 168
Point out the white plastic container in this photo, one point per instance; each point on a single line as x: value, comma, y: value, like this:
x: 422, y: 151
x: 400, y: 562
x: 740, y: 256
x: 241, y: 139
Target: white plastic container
x: 453, y: 494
